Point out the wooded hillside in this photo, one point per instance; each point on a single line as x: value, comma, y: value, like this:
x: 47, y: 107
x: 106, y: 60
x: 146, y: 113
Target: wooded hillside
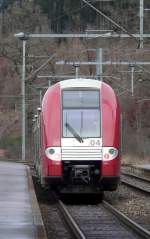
x: 68, y: 16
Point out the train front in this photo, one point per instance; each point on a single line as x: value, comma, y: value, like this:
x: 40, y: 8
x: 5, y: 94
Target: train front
x: 82, y: 142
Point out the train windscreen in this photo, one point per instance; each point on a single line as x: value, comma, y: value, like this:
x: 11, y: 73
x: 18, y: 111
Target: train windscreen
x: 81, y: 114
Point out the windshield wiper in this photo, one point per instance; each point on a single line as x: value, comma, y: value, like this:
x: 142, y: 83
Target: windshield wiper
x: 75, y: 134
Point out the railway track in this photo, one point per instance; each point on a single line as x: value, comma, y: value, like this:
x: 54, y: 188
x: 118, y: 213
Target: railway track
x: 100, y: 221
x: 137, y: 182
x: 92, y: 221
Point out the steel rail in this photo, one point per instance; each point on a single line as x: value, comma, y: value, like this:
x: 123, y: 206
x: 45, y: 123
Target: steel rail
x: 127, y: 221
x: 70, y: 221
x: 136, y: 176
x: 133, y: 185
x: 77, y: 232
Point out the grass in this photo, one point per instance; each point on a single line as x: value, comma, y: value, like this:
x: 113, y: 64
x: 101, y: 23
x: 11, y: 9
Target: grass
x: 12, y: 145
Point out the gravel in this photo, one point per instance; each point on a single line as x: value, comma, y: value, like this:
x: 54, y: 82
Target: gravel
x: 132, y: 203
x: 53, y: 222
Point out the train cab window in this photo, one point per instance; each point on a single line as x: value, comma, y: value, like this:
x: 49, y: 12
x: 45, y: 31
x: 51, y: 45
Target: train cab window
x: 81, y: 99
x: 81, y: 113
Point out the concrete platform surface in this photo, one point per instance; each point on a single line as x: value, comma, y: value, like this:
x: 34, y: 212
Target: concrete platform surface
x: 144, y: 166
x: 19, y: 212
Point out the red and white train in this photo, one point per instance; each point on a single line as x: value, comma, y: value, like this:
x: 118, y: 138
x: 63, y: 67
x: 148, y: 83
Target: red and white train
x: 77, y: 137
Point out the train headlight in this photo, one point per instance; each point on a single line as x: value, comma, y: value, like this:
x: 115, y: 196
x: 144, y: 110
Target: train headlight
x: 53, y: 153
x: 109, y: 153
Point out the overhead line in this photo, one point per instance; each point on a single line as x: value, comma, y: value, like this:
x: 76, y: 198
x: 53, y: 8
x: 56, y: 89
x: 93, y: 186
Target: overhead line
x: 110, y: 20
x: 38, y: 69
x: 141, y: 67
x: 84, y: 63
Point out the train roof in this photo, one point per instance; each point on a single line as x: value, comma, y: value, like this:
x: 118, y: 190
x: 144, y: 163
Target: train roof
x: 77, y: 83
x: 80, y: 82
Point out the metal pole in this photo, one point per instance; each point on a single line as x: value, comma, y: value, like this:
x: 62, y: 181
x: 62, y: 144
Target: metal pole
x: 93, y: 63
x: 132, y: 80
x: 141, y: 22
x: 86, y: 35
x: 77, y: 72
x: 3, y: 18
x: 23, y: 101
x: 77, y: 66
x: 99, y: 67
x: 49, y: 82
x: 40, y: 98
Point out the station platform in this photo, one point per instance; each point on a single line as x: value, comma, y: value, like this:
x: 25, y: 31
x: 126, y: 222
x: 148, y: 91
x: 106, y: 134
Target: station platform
x: 142, y: 170
x: 144, y: 166
x: 20, y: 217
